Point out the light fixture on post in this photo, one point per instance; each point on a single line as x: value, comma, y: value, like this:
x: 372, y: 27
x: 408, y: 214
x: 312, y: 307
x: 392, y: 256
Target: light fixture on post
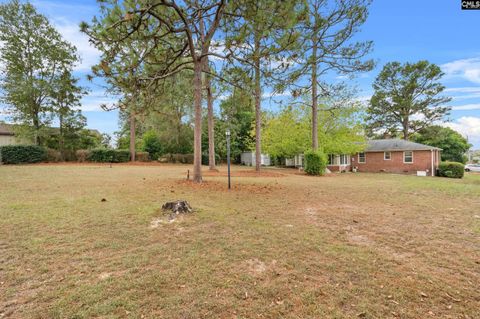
x: 227, y: 133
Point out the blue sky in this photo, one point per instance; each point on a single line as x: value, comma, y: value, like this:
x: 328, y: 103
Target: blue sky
x: 407, y: 30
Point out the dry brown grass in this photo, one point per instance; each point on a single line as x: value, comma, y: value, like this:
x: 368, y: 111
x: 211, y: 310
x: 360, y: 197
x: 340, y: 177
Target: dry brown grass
x: 278, y: 245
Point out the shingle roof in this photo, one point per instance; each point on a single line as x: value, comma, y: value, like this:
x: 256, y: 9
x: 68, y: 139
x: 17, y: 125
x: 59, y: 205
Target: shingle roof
x: 396, y: 145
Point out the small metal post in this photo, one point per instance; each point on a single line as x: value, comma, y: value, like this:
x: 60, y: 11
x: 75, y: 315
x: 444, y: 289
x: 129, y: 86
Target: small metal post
x: 227, y: 133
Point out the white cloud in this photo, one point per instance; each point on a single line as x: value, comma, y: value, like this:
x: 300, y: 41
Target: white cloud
x: 468, y: 89
x: 93, y: 101
x: 466, y: 107
x: 468, y: 69
x: 468, y: 126
x: 89, y: 55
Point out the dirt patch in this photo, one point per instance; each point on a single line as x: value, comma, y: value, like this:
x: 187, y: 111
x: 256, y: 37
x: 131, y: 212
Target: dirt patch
x: 244, y: 173
x: 223, y: 187
x: 256, y: 267
x: 157, y: 222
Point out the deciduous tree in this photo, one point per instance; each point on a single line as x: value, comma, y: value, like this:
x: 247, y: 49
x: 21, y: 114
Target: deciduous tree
x: 34, y: 57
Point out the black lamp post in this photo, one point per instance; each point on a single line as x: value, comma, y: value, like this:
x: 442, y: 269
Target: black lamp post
x: 227, y: 133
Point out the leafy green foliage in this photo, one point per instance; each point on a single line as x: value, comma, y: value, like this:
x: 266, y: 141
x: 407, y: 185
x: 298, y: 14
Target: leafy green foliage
x: 35, y: 58
x: 453, y: 144
x: 19, y: 154
x: 451, y: 169
x: 151, y: 143
x: 289, y: 133
x: 315, y: 162
x: 104, y: 155
x: 402, y: 91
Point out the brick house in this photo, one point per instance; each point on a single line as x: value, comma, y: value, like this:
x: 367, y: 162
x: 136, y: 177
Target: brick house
x: 396, y: 156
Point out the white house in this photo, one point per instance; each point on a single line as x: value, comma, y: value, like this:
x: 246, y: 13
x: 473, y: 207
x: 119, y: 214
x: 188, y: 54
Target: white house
x: 248, y: 158
x: 7, y: 136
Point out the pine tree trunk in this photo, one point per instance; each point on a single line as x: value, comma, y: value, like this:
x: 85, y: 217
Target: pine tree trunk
x: 405, y: 125
x: 197, y: 139
x: 211, y: 127
x: 258, y: 113
x: 314, y: 93
x: 61, y: 142
x: 132, y: 136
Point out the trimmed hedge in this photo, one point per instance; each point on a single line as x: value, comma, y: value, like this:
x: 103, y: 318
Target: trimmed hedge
x: 18, y: 154
x: 103, y: 155
x: 315, y: 162
x: 451, y: 169
x: 176, y: 158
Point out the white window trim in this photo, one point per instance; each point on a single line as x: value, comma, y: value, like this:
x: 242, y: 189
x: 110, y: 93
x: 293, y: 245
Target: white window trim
x: 385, y: 158
x: 364, y: 157
x: 404, y: 158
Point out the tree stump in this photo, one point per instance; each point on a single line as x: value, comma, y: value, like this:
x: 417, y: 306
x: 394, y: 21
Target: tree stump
x: 176, y: 208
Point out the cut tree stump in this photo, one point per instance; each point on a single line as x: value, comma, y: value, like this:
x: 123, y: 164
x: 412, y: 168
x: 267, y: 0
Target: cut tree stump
x: 176, y: 208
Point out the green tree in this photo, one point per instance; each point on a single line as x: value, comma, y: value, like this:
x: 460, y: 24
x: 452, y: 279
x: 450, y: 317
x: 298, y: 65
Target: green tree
x: 151, y: 143
x: 407, y: 98
x: 34, y: 56
x: 176, y: 36
x: 326, y: 45
x: 66, y: 95
x: 260, y: 41
x: 454, y: 146
x: 340, y: 131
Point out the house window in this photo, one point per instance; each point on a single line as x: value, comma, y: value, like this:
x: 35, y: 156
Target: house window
x: 343, y: 159
x: 361, y: 157
x: 387, y: 156
x: 331, y: 159
x: 408, y: 157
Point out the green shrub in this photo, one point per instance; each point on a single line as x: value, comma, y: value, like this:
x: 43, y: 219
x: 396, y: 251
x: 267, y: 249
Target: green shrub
x: 17, y: 154
x: 142, y: 156
x: 121, y: 156
x: 151, y: 143
x: 205, y: 158
x: 451, y: 169
x: 315, y: 162
x: 105, y: 155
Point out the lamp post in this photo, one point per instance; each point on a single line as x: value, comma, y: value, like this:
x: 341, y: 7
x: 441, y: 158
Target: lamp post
x: 227, y: 133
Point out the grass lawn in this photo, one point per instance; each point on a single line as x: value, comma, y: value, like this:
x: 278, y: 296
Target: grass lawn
x: 279, y: 245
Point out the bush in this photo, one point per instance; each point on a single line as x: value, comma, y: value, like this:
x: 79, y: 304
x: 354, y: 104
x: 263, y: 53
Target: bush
x: 451, y: 169
x: 53, y: 156
x: 17, y: 154
x: 315, y: 162
x: 217, y: 158
x: 151, y: 143
x: 82, y: 155
x: 176, y: 158
x: 142, y: 156
x: 104, y: 155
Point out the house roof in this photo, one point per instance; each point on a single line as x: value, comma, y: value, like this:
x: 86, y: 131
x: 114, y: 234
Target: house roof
x: 387, y: 145
x: 6, y: 129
